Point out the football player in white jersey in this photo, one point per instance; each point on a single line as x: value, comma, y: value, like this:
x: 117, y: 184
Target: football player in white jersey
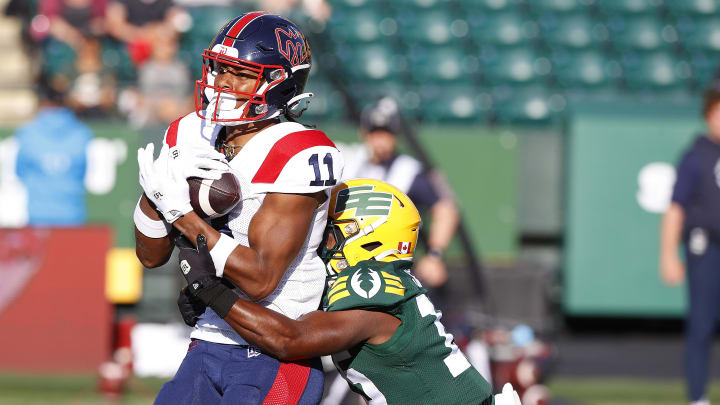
x: 254, y: 74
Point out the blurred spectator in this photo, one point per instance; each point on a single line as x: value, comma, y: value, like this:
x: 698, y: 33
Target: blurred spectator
x: 164, y: 85
x: 51, y: 163
x: 74, y: 21
x: 694, y: 218
x: 378, y: 159
x: 318, y: 10
x: 133, y: 21
x: 92, y: 92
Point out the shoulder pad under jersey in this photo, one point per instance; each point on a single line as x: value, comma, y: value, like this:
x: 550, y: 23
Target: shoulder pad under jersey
x: 289, y: 158
x: 372, y: 285
x: 190, y: 130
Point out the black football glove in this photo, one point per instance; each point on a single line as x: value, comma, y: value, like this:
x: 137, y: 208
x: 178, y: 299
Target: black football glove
x: 196, y: 265
x: 190, y: 307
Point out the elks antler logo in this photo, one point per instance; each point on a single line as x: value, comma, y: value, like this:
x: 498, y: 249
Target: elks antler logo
x: 291, y: 45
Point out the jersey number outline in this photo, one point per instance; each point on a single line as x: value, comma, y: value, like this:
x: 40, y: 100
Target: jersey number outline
x: 456, y: 362
x: 315, y: 163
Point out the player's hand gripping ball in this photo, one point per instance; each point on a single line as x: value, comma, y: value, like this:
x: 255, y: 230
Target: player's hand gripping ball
x: 214, y: 189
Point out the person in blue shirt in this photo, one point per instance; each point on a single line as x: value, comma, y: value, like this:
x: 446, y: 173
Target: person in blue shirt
x: 694, y: 218
x: 51, y: 163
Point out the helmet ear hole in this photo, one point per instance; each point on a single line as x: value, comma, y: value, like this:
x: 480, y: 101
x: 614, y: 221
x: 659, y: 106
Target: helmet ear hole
x: 370, y: 246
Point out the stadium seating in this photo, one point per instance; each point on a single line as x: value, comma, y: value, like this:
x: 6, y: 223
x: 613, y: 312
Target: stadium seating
x: 576, y: 31
x: 516, y: 66
x: 432, y: 27
x: 447, y: 64
x: 590, y: 69
x: 502, y: 29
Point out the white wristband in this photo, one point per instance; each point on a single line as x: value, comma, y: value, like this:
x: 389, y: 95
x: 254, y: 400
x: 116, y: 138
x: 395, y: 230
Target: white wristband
x: 149, y: 227
x: 221, y: 251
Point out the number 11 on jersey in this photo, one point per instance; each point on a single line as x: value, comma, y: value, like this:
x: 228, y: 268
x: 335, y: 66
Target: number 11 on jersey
x: 315, y: 163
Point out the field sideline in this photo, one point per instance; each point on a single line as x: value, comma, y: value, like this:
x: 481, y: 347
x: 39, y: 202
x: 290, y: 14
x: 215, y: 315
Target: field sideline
x: 81, y: 390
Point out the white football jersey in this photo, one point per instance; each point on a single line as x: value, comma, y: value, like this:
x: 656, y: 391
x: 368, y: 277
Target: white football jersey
x: 283, y: 158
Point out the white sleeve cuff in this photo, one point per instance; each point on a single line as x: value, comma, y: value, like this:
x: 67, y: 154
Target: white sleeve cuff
x: 150, y: 227
x: 221, y: 251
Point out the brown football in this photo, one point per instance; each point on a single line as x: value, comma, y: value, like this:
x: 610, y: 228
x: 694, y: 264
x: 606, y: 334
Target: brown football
x: 214, y: 198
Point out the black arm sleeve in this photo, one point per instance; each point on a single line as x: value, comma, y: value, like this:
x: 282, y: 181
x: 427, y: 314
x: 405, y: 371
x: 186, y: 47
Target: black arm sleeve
x: 422, y: 191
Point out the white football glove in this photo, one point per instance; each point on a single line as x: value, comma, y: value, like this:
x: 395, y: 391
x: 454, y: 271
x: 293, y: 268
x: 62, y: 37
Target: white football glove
x: 508, y: 396
x: 197, y: 161
x: 169, y: 193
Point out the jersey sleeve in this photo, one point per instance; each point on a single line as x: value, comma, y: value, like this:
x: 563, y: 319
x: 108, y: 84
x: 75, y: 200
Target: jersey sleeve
x: 688, y: 175
x: 370, y: 285
x: 302, y: 162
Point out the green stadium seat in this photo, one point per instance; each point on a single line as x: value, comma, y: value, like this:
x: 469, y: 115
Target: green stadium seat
x: 630, y: 7
x: 700, y: 34
x: 503, y: 29
x: 59, y: 58
x: 375, y: 62
x: 327, y: 103
x: 515, y: 66
x: 692, y: 7
x: 531, y: 105
x: 114, y: 56
x: 590, y: 69
x: 655, y: 71
x: 491, y: 6
x: 361, y: 25
x: 705, y: 67
x: 354, y: 4
x: 421, y: 4
x: 446, y: 64
x: 574, y: 31
x: 640, y: 33
x: 408, y: 97
x: 558, y: 6
x: 458, y: 103
x: 433, y: 27
x: 207, y: 21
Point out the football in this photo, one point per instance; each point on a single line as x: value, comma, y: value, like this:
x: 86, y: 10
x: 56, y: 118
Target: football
x: 214, y: 198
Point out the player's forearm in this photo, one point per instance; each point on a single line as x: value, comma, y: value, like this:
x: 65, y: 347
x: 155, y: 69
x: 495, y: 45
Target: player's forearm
x: 671, y: 231
x: 243, y: 265
x: 275, y: 333
x: 315, y: 334
x: 445, y: 218
x: 152, y: 252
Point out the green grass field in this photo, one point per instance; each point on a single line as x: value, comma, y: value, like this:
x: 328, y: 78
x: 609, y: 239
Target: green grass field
x: 81, y: 390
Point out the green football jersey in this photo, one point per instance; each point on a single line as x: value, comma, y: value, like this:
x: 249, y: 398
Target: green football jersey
x: 420, y: 363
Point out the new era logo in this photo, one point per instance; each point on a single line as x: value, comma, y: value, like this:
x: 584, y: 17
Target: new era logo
x: 185, y: 267
x: 253, y: 352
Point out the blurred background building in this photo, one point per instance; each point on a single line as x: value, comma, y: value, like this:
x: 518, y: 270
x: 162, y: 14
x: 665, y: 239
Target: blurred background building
x: 556, y: 123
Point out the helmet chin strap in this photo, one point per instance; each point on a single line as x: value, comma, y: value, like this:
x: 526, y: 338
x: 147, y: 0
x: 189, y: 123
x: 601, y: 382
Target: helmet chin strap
x: 386, y: 253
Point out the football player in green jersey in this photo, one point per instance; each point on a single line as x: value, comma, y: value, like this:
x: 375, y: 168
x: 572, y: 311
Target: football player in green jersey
x: 383, y: 332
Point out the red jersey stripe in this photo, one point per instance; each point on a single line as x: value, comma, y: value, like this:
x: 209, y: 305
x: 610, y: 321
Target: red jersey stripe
x: 235, y: 30
x: 289, y: 384
x: 171, y: 138
x: 285, y: 149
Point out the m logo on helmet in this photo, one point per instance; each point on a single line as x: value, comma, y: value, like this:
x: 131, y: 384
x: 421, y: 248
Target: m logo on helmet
x: 291, y: 45
x: 364, y: 201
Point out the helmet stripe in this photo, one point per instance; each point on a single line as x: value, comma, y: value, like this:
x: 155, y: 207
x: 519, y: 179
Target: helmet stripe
x: 239, y: 25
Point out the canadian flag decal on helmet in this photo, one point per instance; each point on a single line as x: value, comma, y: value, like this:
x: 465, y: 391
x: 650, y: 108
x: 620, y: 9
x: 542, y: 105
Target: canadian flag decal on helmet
x: 404, y: 247
x: 291, y: 45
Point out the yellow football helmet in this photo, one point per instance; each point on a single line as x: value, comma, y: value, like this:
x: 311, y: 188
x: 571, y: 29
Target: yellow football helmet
x: 368, y: 219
